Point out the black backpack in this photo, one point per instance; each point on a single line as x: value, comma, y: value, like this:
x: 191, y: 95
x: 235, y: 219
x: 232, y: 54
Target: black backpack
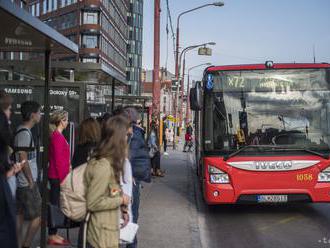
x: 16, y: 149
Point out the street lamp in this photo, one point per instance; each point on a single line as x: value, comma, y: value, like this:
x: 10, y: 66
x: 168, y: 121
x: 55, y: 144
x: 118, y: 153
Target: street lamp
x: 184, y: 67
x: 183, y: 53
x: 188, y: 88
x: 188, y: 49
x: 216, y: 4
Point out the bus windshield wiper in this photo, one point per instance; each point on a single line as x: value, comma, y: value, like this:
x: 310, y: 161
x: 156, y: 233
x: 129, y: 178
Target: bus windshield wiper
x: 225, y: 158
x: 303, y: 150
x: 274, y: 147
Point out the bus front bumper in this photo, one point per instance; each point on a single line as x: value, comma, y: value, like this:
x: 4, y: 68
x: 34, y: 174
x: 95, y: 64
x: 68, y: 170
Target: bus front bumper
x: 226, y: 194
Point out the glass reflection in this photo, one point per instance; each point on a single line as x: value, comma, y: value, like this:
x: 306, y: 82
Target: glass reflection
x: 287, y: 108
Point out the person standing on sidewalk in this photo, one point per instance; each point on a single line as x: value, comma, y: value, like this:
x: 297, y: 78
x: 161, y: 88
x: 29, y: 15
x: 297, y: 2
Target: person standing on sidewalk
x: 102, y: 182
x: 165, y: 131
x: 6, y: 135
x: 59, y: 165
x: 8, y: 235
x: 28, y: 197
x: 154, y: 150
x: 89, y: 136
x: 140, y: 162
x: 188, y: 138
x: 126, y: 181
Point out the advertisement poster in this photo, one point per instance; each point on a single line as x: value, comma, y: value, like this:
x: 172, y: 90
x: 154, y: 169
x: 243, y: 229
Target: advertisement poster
x: 66, y: 98
x: 98, y: 98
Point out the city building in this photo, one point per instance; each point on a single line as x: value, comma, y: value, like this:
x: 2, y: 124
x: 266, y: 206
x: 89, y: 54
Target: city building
x: 167, y: 90
x: 134, y: 47
x: 99, y: 27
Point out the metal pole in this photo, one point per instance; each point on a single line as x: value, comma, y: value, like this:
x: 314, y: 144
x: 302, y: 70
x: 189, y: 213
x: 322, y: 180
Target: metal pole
x: 178, y: 35
x: 182, y: 88
x: 188, y: 90
x: 188, y: 101
x: 45, y: 151
x: 177, y: 49
x: 113, y: 94
x: 155, y: 75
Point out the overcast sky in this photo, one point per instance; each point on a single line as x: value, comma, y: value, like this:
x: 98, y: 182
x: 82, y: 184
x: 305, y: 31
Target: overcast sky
x: 246, y: 31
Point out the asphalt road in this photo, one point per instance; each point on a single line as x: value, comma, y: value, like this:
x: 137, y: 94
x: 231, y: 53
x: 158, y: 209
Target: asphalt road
x: 290, y: 225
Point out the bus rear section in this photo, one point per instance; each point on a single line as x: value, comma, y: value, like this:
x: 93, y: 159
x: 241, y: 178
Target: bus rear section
x: 264, y: 133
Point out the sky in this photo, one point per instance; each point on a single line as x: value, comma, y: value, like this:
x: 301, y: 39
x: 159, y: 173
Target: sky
x: 245, y: 32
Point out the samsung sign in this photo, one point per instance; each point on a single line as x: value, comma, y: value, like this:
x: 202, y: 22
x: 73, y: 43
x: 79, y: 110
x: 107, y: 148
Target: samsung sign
x: 17, y: 42
x: 278, y: 165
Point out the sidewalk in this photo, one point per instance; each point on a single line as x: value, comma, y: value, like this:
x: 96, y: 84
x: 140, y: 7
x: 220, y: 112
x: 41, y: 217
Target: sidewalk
x: 168, y: 216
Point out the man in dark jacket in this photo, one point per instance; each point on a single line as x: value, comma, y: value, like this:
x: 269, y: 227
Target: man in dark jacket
x: 8, y: 236
x: 6, y: 137
x: 140, y: 161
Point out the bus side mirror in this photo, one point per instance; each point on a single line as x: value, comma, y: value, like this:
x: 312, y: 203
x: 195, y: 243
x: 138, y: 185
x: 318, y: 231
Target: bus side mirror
x: 195, y: 97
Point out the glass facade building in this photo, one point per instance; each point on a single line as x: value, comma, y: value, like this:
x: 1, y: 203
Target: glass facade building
x: 134, y: 47
x: 99, y: 27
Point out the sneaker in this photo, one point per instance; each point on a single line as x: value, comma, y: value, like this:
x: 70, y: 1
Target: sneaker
x: 165, y: 153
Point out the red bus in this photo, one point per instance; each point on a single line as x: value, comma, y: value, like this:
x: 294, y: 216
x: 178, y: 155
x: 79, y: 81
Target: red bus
x: 263, y: 133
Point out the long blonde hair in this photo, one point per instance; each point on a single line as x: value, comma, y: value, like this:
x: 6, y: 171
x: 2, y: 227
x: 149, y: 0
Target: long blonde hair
x: 113, y: 145
x: 55, y: 119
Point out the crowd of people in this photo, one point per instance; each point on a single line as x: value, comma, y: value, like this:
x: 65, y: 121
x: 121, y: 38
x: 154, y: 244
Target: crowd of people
x: 119, y: 156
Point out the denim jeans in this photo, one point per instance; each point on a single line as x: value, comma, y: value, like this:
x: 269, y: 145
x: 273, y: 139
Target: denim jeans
x: 135, y: 208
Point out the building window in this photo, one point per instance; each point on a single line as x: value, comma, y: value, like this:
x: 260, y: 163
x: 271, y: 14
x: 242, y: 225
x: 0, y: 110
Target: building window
x: 37, y: 9
x: 89, y: 60
x: 33, y: 10
x: 50, y: 5
x: 54, y: 4
x: 91, y: 18
x: 89, y: 41
x: 68, y: 20
x: 44, y: 7
x: 71, y: 37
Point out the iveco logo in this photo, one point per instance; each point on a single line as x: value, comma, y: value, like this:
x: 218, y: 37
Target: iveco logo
x: 273, y: 165
x: 286, y: 165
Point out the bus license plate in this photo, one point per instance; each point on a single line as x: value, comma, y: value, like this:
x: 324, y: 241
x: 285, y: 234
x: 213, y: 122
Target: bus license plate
x: 272, y: 198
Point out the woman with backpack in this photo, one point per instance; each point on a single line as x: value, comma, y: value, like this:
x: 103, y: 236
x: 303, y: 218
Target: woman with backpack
x: 104, y: 196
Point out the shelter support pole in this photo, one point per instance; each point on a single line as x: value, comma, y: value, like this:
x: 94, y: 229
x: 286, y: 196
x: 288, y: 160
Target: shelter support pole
x: 46, y: 111
x: 113, y: 94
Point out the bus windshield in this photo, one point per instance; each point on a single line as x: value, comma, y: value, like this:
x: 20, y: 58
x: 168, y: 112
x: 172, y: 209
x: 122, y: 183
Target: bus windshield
x: 283, y: 107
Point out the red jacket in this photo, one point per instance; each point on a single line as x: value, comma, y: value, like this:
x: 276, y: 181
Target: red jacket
x: 59, y: 157
x: 188, y: 137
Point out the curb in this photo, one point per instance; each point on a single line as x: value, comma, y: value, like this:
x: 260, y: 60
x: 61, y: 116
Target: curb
x: 194, y: 223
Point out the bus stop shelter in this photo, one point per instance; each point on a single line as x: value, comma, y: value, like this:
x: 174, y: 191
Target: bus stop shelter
x: 21, y: 32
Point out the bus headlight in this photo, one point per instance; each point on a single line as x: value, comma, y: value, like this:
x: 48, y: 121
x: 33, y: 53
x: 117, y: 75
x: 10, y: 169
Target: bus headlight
x: 324, y: 176
x: 217, y: 175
